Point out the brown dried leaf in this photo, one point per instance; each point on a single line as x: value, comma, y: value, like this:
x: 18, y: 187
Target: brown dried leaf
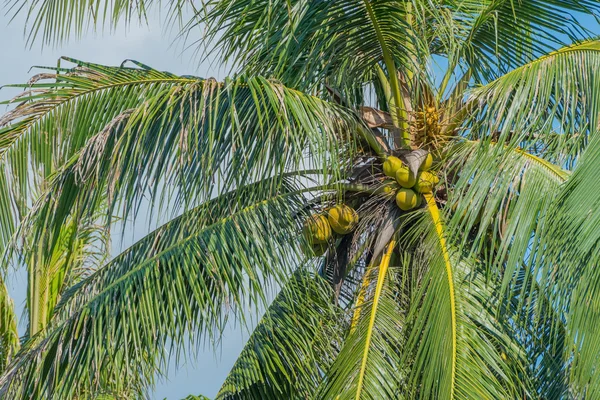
x: 376, y: 118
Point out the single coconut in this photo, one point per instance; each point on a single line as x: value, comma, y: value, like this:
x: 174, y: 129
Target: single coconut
x: 425, y: 182
x: 391, y: 165
x: 342, y: 218
x: 426, y: 165
x: 407, y: 199
x: 316, y: 229
x: 405, y: 177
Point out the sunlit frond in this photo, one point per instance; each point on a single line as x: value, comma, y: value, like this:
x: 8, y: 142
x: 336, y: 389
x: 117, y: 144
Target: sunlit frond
x: 541, y: 332
x: 193, y: 397
x: 473, y: 274
x: 499, y: 35
x: 502, y: 196
x: 194, y: 138
x: 455, y: 343
x: 9, y: 336
x: 366, y: 367
x: 78, y: 249
x: 53, y: 119
x: 548, y: 106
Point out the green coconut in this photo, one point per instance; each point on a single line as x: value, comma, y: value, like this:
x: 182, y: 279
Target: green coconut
x: 425, y: 182
x: 426, y: 165
x: 405, y: 177
x: 407, y: 199
x: 316, y: 229
x: 342, y: 218
x: 391, y: 165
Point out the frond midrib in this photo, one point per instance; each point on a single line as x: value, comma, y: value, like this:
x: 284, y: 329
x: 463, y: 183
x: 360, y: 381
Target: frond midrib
x: 382, y: 273
x: 439, y: 228
x: 560, y: 173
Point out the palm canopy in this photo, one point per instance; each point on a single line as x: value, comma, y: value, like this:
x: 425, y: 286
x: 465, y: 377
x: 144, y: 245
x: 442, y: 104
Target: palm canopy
x: 475, y: 280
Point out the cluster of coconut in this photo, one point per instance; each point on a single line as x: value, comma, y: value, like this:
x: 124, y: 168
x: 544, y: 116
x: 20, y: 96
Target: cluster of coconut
x: 423, y: 182
x: 342, y: 219
x: 319, y: 228
x: 426, y: 122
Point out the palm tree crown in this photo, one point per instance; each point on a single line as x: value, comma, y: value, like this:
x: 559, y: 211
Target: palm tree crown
x: 408, y: 187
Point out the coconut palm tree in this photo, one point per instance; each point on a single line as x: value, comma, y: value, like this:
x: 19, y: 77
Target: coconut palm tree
x: 451, y: 145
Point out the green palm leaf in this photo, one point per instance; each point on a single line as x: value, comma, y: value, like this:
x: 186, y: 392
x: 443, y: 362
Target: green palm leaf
x: 9, y: 336
x: 303, y: 42
x: 507, y: 204
x: 54, y: 22
x: 453, y: 348
x: 542, y: 334
x: 207, y: 132
x: 569, y: 269
x: 492, y: 293
x: 55, y: 117
x: 79, y: 248
x: 548, y: 106
x: 500, y: 35
x: 192, y: 397
x: 181, y: 279
x: 365, y: 366
x: 293, y: 344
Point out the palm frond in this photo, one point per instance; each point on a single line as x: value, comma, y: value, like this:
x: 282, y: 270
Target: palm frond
x: 453, y: 349
x: 548, y: 106
x: 304, y: 42
x: 193, y: 397
x: 112, y: 330
x: 78, y: 249
x: 366, y: 365
x: 54, y: 118
x: 541, y: 332
x: 503, y: 199
x: 9, y: 336
x: 502, y: 196
x: 192, y: 138
x: 54, y: 22
x: 499, y: 35
x: 570, y: 273
x: 494, y: 293
x: 292, y: 346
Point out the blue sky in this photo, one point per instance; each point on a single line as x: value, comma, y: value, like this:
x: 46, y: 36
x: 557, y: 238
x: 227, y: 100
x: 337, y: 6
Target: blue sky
x: 155, y: 47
